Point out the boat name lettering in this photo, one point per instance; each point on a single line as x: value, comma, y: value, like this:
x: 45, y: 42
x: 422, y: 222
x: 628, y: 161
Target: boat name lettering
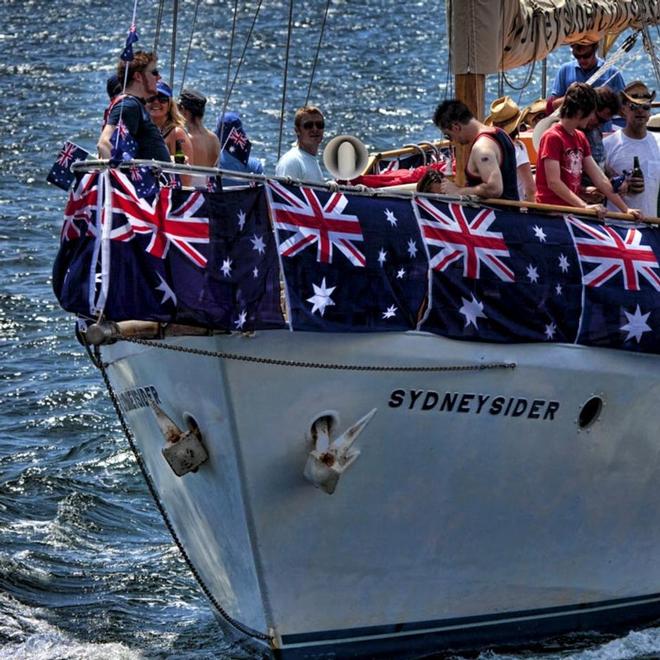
x: 477, y: 404
x: 139, y: 397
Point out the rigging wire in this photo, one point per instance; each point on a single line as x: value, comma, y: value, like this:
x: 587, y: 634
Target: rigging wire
x: 230, y: 56
x: 286, y: 74
x: 175, y: 16
x: 648, y: 45
x: 192, y: 32
x: 159, y: 22
x: 318, y: 50
x: 240, y: 61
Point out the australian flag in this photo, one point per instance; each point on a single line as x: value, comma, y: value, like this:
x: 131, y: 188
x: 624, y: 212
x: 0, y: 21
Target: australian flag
x: 331, y: 261
x: 127, y: 53
x: 60, y: 173
x: 238, y: 145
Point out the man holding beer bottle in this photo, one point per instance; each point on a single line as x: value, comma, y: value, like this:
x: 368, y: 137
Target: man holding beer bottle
x: 634, y: 153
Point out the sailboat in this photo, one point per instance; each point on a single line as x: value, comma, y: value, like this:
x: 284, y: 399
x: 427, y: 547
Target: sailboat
x: 384, y: 424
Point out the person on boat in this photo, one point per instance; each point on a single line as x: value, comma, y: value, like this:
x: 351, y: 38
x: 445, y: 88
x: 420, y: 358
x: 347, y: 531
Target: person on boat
x: 431, y: 182
x: 491, y: 167
x: 532, y: 114
x: 235, y: 149
x: 300, y: 162
x: 165, y: 114
x: 205, y: 144
x: 607, y: 105
x: 505, y: 114
x: 564, y: 153
x: 586, y: 64
x: 129, y: 108
x: 634, y: 140
x: 113, y: 86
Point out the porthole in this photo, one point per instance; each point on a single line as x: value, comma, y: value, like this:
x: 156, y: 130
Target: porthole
x: 590, y: 412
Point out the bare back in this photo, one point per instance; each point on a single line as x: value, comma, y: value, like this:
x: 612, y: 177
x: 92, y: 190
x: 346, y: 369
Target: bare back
x: 206, y: 146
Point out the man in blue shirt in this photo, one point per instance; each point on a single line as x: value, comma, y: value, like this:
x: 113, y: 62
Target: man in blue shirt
x: 586, y: 64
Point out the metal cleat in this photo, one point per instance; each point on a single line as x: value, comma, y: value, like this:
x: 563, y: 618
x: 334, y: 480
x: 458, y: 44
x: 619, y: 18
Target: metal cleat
x: 183, y: 450
x: 331, y: 458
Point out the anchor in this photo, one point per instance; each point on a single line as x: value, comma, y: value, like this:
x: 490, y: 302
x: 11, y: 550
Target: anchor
x: 183, y: 450
x: 331, y: 458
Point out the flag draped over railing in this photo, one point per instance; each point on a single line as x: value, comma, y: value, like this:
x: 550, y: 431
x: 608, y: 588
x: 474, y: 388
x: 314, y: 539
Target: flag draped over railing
x: 315, y: 260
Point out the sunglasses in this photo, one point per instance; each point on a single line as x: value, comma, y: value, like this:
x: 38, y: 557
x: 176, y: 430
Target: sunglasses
x: 155, y: 73
x: 646, y: 107
x: 308, y: 125
x: 582, y: 56
x: 159, y: 97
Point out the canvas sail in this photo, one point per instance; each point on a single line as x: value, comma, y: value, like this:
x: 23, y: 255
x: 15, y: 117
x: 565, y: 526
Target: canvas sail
x: 528, y: 30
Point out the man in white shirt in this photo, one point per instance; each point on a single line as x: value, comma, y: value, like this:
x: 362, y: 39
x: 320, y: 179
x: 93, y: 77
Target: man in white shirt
x: 300, y: 161
x: 635, y: 140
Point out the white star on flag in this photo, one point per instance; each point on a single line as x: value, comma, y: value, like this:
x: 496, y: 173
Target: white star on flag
x: 390, y: 312
x: 255, y: 272
x: 400, y: 273
x: 539, y: 233
x: 168, y: 294
x: 558, y: 290
x: 240, y: 321
x: 226, y: 267
x: 550, y: 330
x: 532, y: 273
x: 636, y: 325
x: 563, y: 263
x: 382, y: 257
x: 472, y: 310
x: 390, y: 217
x: 241, y: 219
x: 321, y: 298
x: 412, y: 249
x: 258, y: 244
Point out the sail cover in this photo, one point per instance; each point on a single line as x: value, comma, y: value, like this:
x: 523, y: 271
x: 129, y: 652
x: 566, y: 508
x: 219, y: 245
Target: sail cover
x: 530, y: 29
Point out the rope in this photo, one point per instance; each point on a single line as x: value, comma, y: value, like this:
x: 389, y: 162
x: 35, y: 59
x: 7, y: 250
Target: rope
x: 648, y: 44
x: 161, y: 509
x: 229, y: 59
x: 175, y: 16
x: 286, y: 75
x: 318, y: 365
x: 318, y: 50
x: 192, y: 32
x: 240, y: 61
x: 159, y: 22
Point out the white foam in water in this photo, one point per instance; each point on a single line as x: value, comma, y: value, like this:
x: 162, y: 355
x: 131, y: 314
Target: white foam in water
x: 31, y: 638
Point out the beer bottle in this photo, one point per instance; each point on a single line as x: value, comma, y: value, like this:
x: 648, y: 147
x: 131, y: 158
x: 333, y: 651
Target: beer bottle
x: 638, y: 186
x: 179, y: 156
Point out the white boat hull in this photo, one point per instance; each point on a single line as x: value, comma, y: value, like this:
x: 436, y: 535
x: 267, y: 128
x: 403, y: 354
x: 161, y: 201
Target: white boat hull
x: 487, y: 505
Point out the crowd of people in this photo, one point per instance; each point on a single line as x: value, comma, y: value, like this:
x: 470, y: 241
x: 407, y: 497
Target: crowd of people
x: 580, y: 161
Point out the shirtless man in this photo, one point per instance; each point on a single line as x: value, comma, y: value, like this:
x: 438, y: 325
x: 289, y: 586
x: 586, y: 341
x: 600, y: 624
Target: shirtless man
x: 206, y: 146
x: 491, y: 166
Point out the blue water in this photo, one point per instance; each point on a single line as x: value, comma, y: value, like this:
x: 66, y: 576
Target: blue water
x: 87, y: 569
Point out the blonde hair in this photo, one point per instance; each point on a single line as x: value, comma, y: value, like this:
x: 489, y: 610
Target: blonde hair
x: 305, y: 110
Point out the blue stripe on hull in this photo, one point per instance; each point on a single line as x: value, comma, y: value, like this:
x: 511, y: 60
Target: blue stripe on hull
x: 409, y: 640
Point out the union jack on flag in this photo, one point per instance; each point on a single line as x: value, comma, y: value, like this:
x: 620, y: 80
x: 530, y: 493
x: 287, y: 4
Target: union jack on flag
x: 60, y: 173
x: 313, y: 222
x: 465, y: 234
x: 614, y: 251
x: 81, y: 204
x: 179, y: 226
x: 237, y: 137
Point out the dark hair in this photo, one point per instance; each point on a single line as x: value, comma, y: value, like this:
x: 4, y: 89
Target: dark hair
x: 430, y: 177
x: 450, y: 112
x: 138, y: 64
x: 579, y: 101
x: 193, y: 101
x: 607, y: 99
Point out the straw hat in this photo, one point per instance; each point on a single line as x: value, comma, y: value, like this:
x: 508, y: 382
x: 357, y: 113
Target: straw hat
x: 653, y: 124
x: 534, y: 112
x: 542, y: 127
x: 504, y: 113
x: 637, y: 91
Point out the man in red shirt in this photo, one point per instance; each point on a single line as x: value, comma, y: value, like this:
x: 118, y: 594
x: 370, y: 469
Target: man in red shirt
x: 564, y: 153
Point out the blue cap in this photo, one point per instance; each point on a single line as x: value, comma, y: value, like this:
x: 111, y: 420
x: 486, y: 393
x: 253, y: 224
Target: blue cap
x: 226, y: 122
x: 164, y: 89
